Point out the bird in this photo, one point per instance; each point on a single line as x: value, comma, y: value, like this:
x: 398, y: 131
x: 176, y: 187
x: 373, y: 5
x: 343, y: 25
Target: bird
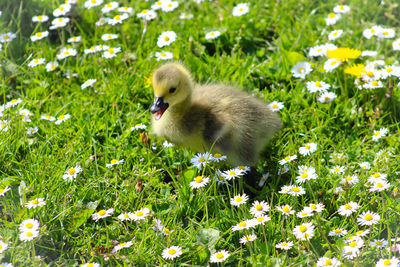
x: 212, y: 116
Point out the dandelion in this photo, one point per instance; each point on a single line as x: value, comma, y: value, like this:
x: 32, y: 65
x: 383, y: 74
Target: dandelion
x: 341, y: 9
x: 219, y: 256
x: 163, y: 55
x: 121, y: 246
x: 333, y: 35
x: 247, y: 238
x: 40, y: 18
x: 29, y: 225
x: 301, y: 69
x: 378, y: 134
x: 379, y: 243
x: 141, y: 214
x: 39, y: 35
x: 28, y: 235
x: 304, y: 231
x: 111, y: 52
x: 393, y: 262
x: 332, y: 18
x: 166, y: 38
x: 284, y: 245
x: 331, y: 64
x: 3, y: 247
x: 259, y: 208
x: 109, y: 7
x: 200, y: 160
x: 118, y: 19
x: 171, y: 252
x: 286, y: 210
x: 287, y: 159
x: 102, y: 214
x: 212, y: 35
x: 109, y: 36
x: 355, y: 70
x: 275, y: 106
x: 37, y: 202
x: 240, y: 9
x: 115, y: 162
x: 66, y: 52
x: 125, y: 216
x: 7, y: 37
x: 199, y: 181
x: 325, y: 261
x: 88, y: 83
x: 348, y: 209
x: 343, y: 54
x: 368, y: 218
x: 62, y: 118
x: 238, y: 200
x: 51, y: 66
x: 338, y: 232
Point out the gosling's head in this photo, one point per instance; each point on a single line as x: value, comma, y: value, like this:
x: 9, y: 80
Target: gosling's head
x: 172, y: 84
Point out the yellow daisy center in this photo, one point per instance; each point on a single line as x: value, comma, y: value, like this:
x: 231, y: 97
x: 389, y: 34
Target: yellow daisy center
x: 139, y: 213
x: 198, y: 179
x: 284, y: 244
x: 287, y: 158
x: 242, y: 224
x: 61, y: 117
x: 238, y: 199
x: 167, y: 231
x: 379, y: 185
x: 39, y: 18
x: 372, y: 31
x: 333, y: 63
x: 219, y: 255
x: 375, y: 83
x: 109, y: 5
x: 387, y: 262
x: 163, y: 54
x: 304, y: 175
x: 353, y: 244
x: 171, y: 251
x: 335, y: 33
x: 303, y: 228
x: 328, y: 262
x: 39, y: 34
x: 259, y: 207
x: 389, y: 70
x: 377, y: 133
x: 102, y: 212
x: 368, y: 217
x: 296, y: 189
x: 144, y: 11
x: 349, y: 178
x: 217, y: 155
x: 61, y: 8
x: 232, y: 172
x: 166, y: 38
x: 111, y: 51
x: 385, y: 33
x: 313, y: 206
x: 1, y: 190
x: 117, y: 17
x: 376, y: 175
x: 3, y: 125
x: 360, y: 232
x: 14, y: 101
x: 285, y: 208
x: 338, y: 231
x: 126, y: 215
x: 341, y: 7
x: 35, y: 202
x: 379, y: 242
x: 71, y: 171
x: 66, y: 52
x: 29, y: 225
x: 301, y: 70
x: 331, y: 15
x: 29, y: 234
x: 347, y: 206
x: 274, y: 106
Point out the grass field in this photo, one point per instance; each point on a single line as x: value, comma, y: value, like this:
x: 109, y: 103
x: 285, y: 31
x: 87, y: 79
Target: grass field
x: 84, y: 182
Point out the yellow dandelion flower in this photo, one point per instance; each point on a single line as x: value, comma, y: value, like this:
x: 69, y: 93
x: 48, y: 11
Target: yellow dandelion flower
x: 356, y: 70
x: 343, y: 54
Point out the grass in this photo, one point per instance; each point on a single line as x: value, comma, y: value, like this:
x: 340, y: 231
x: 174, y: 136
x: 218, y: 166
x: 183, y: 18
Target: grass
x: 255, y: 52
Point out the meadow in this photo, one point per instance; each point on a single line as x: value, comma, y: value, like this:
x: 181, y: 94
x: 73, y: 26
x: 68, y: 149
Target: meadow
x: 84, y: 182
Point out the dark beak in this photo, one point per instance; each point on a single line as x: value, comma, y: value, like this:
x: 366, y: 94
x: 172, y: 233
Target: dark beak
x: 158, y: 107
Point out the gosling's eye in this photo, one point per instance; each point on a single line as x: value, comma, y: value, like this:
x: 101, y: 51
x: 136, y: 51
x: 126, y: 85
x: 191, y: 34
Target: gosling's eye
x: 172, y: 90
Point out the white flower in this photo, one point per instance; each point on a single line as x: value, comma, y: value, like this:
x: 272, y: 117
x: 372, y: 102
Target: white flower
x: 306, y: 174
x: 275, y: 106
x: 213, y: 35
x: 296, y: 191
x: 37, y: 202
x: 102, y: 21
x: 320, y: 50
x: 4, y: 126
x: 92, y: 3
x: 4, y: 190
x: 66, y: 52
x: 36, y: 62
x: 109, y: 36
x: 88, y: 83
x: 232, y: 174
x: 7, y: 37
x: 366, y: 53
x: 239, y: 200
x: 379, y: 243
x: 141, y: 214
x: 169, y: 6
x: 378, y: 134
x: 259, y: 208
x: 25, y: 112
x: 341, y: 9
x: 319, y: 207
x: 301, y: 69
x: 32, y: 130
x: 396, y: 45
x: 163, y: 55
x: 350, y: 179
x: 284, y: 245
x: 333, y: 35
x: 172, y: 252
x: 285, y: 209
x: 247, y: 238
x: 48, y: 118
x: 304, y: 231
x: 74, y: 39
x: 51, y: 66
x: 287, y: 159
x: 39, y: 35
x: 166, y: 38
x: 386, y: 33
x: 111, y: 52
x: 102, y: 214
x: 59, y: 23
x: 263, y: 179
x: 14, y: 102
x: 28, y: 235
x: 325, y: 261
x: 90, y: 264
x: 379, y: 186
x: 125, y: 9
x: 217, y: 157
x: 326, y: 97
x: 167, y: 144
x: 306, y: 212
x: 62, y: 118
x: 3, y: 247
x: 308, y: 149
x: 284, y: 169
x: 240, y: 9
x: 332, y: 18
x: 147, y: 14
x: 393, y: 262
x: 186, y: 16
x: 157, y: 5
x: 71, y: 173
x: 121, y: 246
x: 115, y: 162
x: 62, y: 10
x: 199, y: 181
x: 373, y: 85
x: 243, y: 225
x: 318, y: 86
x: 338, y: 232
x: 374, y: 31
x: 200, y: 160
x: 118, y: 19
x: 29, y: 225
x: 40, y: 18
x: 109, y: 7
x: 389, y: 71
x: 125, y: 216
x: 139, y: 126
x: 368, y: 218
x: 219, y: 256
x: 331, y: 64
x: 365, y: 165
x: 348, y: 209
x: 337, y: 169
x: 377, y: 177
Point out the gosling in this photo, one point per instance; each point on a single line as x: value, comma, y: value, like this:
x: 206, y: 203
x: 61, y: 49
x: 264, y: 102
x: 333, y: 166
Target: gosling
x: 215, y: 116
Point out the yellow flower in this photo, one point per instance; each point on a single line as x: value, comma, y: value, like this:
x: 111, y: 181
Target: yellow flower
x: 343, y: 54
x: 148, y: 81
x: 355, y: 69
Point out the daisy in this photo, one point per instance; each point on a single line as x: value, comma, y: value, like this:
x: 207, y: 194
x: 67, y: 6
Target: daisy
x: 88, y: 83
x: 240, y: 9
x: 350, y: 179
x: 121, y: 246
x: 125, y: 216
x: 147, y: 14
x: 285, y: 189
x: 325, y: 261
x: 125, y: 9
x: 306, y: 175
x: 186, y: 16
x: 308, y: 149
x: 29, y: 225
x: 92, y: 3
x: 40, y: 18
x: 217, y: 157
x: 102, y: 21
x: 333, y: 35
x: 379, y: 186
x: 171, y: 252
x: 4, y: 126
x: 169, y: 6
x: 297, y: 191
x: 377, y: 176
x: 378, y: 134
x: 287, y: 159
x: 91, y: 264
x: 102, y: 214
x: 163, y: 55
x: 350, y: 253
x: 393, y: 262
x: 396, y: 45
x: 286, y: 210
x: 140, y: 214
x: 36, y: 62
x: 115, y: 162
x: 212, y: 35
x: 157, y: 5
x: 319, y: 207
x: 348, y: 209
x: 368, y: 218
x: 232, y: 174
x: 51, y: 66
x: 341, y: 9
x: 320, y: 50
x: 331, y: 64
x: 109, y: 7
x: 386, y: 33
x: 13, y: 103
x: 3, y: 247
x: 219, y: 256
x: 111, y: 52
x: 66, y: 52
x: 306, y: 212
x: 72, y: 173
x: 284, y: 245
x: 284, y: 169
x: 39, y: 36
x: 243, y: 169
x: 28, y: 235
x: 7, y: 37
x: 166, y: 144
x: 238, y: 200
x: 337, y: 169
x: 338, y: 232
x: 259, y: 208
x: 166, y: 38
x: 263, y: 179
x: 62, y: 118
x: 369, y: 53
x: 25, y: 112
x: 247, y: 238
x: 32, y: 130
x: 199, y: 181
x: 362, y: 233
x: 200, y: 160
x: 301, y: 69
x: 243, y: 225
x: 389, y: 71
x: 139, y: 126
x: 379, y: 243
x: 332, y: 18
x: 4, y: 190
x: 326, y: 97
x: 275, y: 106
x: 261, y: 219
x: 59, y: 23
x: 304, y: 231
x: 365, y: 165
x: 38, y: 202
x: 62, y: 10
x: 373, y: 85
x: 100, y: 48
x: 74, y: 39
x: 318, y: 86
x: 109, y: 36
x: 118, y: 19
